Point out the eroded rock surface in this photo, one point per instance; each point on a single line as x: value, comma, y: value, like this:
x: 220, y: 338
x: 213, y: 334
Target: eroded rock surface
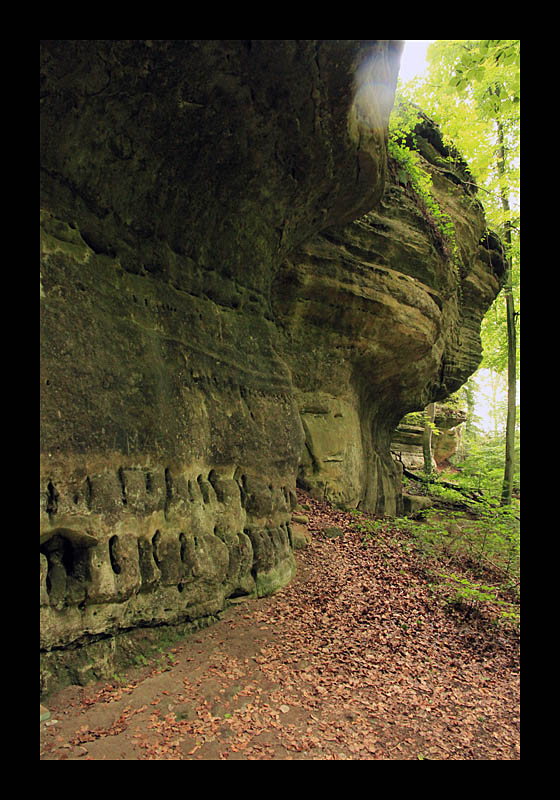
x: 381, y: 320
x: 221, y: 311
x: 407, y: 441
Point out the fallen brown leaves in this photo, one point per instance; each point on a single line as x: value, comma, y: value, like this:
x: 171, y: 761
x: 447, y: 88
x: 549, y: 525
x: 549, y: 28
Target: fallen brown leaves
x: 355, y: 660
x: 87, y: 734
x: 107, y: 694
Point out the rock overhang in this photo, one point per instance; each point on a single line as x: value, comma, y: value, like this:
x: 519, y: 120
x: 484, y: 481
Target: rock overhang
x: 224, y: 247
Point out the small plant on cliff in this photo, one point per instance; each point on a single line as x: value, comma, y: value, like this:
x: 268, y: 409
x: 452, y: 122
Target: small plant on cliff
x: 402, y: 140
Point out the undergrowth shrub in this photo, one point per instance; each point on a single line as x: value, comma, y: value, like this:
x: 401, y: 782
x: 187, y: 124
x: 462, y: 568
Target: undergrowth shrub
x: 472, y: 557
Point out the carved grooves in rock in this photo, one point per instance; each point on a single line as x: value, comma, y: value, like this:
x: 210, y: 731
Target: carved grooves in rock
x: 67, y: 569
x: 52, y: 500
x: 167, y: 558
x: 141, y: 490
x: 183, y: 555
x: 205, y: 489
x: 147, y: 565
x: 155, y: 548
x: 168, y: 491
x: 122, y: 483
x: 114, y: 554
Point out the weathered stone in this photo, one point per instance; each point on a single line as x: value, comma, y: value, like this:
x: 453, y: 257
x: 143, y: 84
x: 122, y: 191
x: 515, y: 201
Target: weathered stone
x: 299, y: 535
x: 407, y: 446
x: 333, y: 532
x: 257, y: 497
x: 222, y: 314
x: 446, y: 444
x: 240, y: 579
x: 412, y: 504
x: 382, y: 322
x: 407, y: 439
x: 449, y: 422
x: 274, y: 563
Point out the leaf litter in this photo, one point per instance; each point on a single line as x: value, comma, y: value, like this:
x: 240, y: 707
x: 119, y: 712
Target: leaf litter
x: 356, y: 659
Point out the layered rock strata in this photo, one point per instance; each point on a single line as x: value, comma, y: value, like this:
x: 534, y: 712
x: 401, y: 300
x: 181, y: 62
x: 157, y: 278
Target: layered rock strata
x: 407, y: 440
x: 176, y: 176
x: 450, y: 423
x: 218, y: 317
x: 382, y: 316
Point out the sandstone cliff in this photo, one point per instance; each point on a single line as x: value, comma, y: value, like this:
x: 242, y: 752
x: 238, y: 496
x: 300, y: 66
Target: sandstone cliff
x: 236, y: 290
x: 407, y: 441
x: 381, y: 320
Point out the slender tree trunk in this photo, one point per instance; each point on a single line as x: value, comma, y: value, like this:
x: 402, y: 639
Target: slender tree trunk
x: 427, y: 440
x: 510, y: 425
x: 509, y: 465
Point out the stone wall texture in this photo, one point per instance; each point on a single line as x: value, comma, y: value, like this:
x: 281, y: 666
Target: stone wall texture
x: 238, y: 292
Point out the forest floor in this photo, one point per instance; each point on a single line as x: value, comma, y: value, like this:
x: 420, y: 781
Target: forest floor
x: 357, y: 659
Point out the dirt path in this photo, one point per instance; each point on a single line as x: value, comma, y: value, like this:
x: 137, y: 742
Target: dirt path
x: 355, y: 660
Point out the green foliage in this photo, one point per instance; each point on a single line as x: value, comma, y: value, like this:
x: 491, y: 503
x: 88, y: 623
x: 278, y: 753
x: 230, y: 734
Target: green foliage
x: 482, y: 464
x: 443, y: 493
x: 469, y: 596
x: 470, y: 84
x: 120, y: 679
x: 402, y: 140
x: 472, y: 90
x: 421, y: 419
x: 486, y: 544
x: 489, y: 70
x: 482, y: 542
x: 457, y: 400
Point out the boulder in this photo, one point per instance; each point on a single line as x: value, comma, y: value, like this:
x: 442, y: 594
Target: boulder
x: 300, y: 536
x: 412, y: 504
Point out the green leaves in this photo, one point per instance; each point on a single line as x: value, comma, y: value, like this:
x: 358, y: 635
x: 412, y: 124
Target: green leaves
x: 411, y: 173
x: 471, y: 595
x: 489, y: 68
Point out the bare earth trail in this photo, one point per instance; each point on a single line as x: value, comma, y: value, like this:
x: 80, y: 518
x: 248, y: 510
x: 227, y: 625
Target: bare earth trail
x: 355, y: 660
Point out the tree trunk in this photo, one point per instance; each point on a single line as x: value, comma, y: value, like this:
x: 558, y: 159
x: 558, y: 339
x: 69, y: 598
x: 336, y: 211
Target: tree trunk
x: 510, y: 424
x: 509, y: 465
x: 427, y: 440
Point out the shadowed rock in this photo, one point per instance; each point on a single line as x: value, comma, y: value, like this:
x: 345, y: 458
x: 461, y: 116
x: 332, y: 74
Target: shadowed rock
x: 235, y: 289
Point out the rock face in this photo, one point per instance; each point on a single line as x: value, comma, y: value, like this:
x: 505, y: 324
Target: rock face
x: 221, y: 312
x: 383, y: 321
x: 450, y: 423
x: 406, y: 443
